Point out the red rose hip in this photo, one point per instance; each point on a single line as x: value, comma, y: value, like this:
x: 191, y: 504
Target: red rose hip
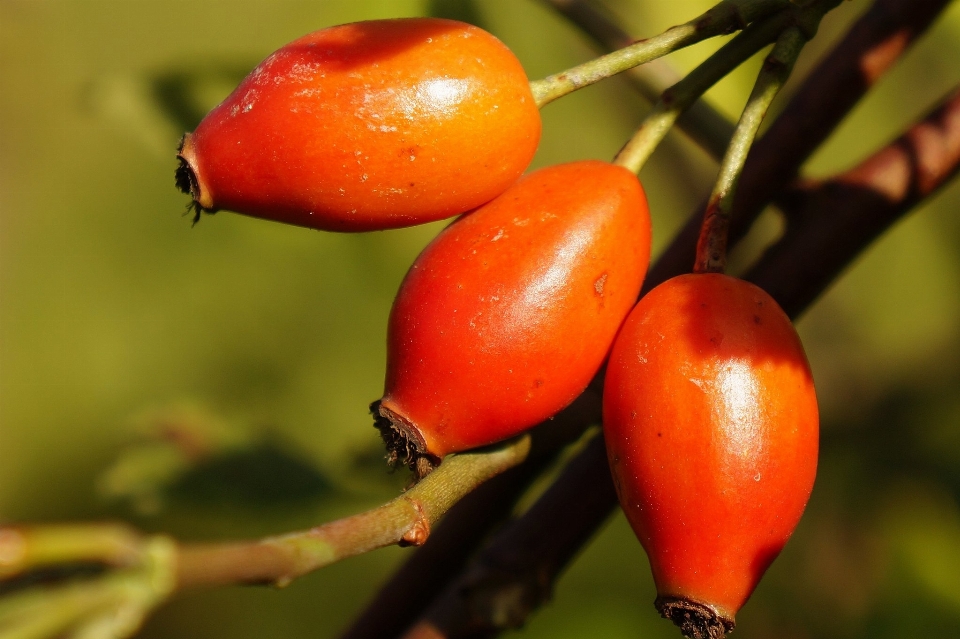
x: 506, y: 316
x: 711, y: 423
x: 366, y: 126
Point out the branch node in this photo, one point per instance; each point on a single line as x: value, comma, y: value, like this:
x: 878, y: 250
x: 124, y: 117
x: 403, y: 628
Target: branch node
x: 419, y: 531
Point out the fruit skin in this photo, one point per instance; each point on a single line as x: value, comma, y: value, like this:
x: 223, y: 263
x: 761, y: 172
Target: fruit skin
x: 711, y: 423
x: 507, y: 315
x: 365, y: 126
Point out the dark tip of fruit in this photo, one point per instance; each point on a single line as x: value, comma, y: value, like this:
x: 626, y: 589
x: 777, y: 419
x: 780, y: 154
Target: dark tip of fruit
x: 403, y: 442
x: 695, y: 620
x: 188, y: 184
x: 186, y: 178
x: 195, y: 208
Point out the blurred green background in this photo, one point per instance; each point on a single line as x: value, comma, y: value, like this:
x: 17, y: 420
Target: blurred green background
x: 119, y: 324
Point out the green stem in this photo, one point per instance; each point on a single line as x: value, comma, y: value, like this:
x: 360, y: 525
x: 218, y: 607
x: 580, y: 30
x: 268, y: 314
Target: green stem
x: 24, y: 549
x: 706, y: 126
x: 723, y: 18
x: 39, y: 614
x: 682, y: 95
x: 112, y: 605
x: 712, y: 245
x: 406, y: 520
x: 148, y: 569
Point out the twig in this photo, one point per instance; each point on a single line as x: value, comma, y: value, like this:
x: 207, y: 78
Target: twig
x: 712, y: 244
x: 411, y: 589
x: 406, y: 520
x: 112, y: 605
x: 144, y: 571
x: 22, y: 550
x: 871, y: 46
x: 679, y: 97
x: 706, y: 126
x: 514, y: 575
x: 725, y: 17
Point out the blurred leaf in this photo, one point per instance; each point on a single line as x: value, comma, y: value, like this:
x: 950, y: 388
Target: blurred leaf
x: 142, y: 474
x: 187, y: 453
x: 186, y: 93
x: 266, y: 474
x: 157, y: 108
x: 125, y: 102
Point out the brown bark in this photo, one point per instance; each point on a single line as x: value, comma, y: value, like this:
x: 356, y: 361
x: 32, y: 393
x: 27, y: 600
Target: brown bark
x: 832, y: 220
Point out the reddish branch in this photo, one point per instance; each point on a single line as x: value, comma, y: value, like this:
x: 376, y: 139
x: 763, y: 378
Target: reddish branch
x: 536, y: 544
x: 842, y: 215
x: 514, y: 575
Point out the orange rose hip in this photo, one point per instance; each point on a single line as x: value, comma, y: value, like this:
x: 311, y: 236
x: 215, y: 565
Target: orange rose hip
x: 711, y: 423
x: 506, y: 316
x: 366, y: 126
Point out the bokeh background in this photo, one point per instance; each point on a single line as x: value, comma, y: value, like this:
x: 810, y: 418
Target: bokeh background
x: 129, y: 340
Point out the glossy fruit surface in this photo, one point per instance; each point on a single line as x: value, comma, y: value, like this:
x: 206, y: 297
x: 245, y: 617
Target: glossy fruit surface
x: 711, y: 424
x: 370, y: 125
x: 506, y: 316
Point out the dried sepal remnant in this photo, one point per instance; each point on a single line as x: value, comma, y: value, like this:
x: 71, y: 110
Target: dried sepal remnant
x: 695, y: 620
x: 189, y: 184
x: 405, y: 446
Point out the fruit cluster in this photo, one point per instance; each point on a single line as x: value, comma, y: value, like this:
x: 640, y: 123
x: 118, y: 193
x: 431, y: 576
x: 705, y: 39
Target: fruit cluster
x: 709, y: 409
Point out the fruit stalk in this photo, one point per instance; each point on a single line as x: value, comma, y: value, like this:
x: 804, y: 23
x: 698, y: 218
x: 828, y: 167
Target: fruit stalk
x: 725, y: 17
x: 712, y: 245
x: 706, y: 126
x: 678, y: 98
x: 870, y: 48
